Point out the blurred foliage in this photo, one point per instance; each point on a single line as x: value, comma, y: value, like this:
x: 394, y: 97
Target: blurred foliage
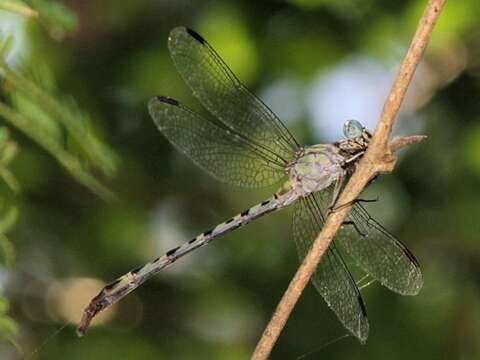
x: 54, y: 123
x: 19, y: 7
x: 8, y: 327
x: 8, y: 218
x: 76, y: 76
x: 58, y: 125
x: 57, y: 18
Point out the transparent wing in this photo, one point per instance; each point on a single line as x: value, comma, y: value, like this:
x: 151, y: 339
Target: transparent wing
x: 379, y: 253
x: 223, y: 154
x: 217, y: 88
x: 375, y: 250
x: 332, y: 278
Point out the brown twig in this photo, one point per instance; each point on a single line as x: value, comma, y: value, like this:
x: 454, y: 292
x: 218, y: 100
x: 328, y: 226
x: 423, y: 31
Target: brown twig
x: 379, y: 158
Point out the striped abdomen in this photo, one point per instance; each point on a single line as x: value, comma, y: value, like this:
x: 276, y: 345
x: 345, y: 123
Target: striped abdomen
x: 128, y: 282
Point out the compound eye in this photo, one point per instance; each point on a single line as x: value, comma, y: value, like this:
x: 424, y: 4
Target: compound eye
x: 352, y: 129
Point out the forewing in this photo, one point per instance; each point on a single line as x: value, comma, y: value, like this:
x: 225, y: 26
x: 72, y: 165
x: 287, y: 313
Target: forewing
x: 217, y: 88
x: 332, y: 278
x: 379, y: 253
x: 214, y: 148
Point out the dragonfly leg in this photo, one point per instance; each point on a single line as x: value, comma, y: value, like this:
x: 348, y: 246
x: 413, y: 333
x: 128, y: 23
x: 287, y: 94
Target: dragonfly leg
x: 355, y: 226
x: 355, y: 157
x: 339, y: 185
x: 353, y: 202
x: 337, y: 190
x: 366, y: 200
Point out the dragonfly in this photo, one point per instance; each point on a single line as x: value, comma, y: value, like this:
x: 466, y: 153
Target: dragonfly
x: 245, y: 144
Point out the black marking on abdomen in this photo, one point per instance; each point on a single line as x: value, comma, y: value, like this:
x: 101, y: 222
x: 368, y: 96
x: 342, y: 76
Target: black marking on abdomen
x: 167, y: 100
x: 209, y: 232
x: 154, y: 261
x: 229, y: 221
x: 112, y: 284
x: 275, y: 196
x: 193, y: 240
x: 172, y: 251
x: 265, y: 203
x: 136, y: 270
x: 245, y: 213
x: 196, y: 36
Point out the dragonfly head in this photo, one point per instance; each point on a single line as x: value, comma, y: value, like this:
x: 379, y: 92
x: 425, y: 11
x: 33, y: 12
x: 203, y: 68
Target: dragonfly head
x: 357, y: 138
x: 353, y: 129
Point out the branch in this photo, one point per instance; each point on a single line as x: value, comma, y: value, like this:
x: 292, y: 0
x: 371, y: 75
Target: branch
x: 379, y: 158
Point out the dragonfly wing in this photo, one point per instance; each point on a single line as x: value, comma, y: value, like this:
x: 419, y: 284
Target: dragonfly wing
x: 214, y: 148
x: 218, y: 89
x: 332, y: 278
x: 379, y: 253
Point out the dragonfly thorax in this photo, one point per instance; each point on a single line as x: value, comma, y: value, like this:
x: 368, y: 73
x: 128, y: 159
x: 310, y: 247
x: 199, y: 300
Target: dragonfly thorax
x: 316, y: 167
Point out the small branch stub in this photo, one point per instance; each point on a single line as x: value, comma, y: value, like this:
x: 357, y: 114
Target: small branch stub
x: 399, y: 143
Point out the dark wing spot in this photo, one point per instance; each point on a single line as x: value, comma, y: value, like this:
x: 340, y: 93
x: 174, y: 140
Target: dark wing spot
x: 275, y: 196
x: 412, y: 257
x: 209, y: 232
x: 265, y: 202
x: 245, y: 213
x: 112, y: 284
x: 172, y: 251
x: 229, y: 221
x: 196, y: 36
x: 167, y: 100
x: 136, y: 270
x: 362, y: 306
x: 154, y: 261
x: 193, y: 240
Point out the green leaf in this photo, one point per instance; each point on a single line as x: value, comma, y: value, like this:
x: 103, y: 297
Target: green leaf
x: 18, y: 7
x: 56, y: 17
x: 9, y: 219
x: 58, y: 125
x: 8, y: 250
x: 8, y: 326
x: 8, y: 150
x: 5, y: 46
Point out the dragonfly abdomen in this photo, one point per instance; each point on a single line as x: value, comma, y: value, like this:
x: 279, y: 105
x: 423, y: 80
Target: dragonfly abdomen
x: 231, y: 224
x: 120, y: 287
